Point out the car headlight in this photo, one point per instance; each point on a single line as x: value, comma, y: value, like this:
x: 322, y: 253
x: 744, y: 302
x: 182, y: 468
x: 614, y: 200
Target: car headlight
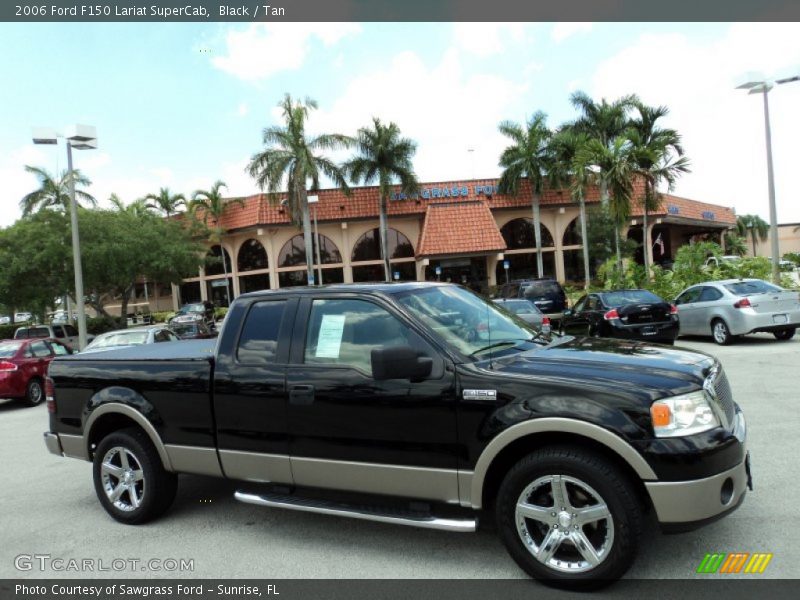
x: 683, y: 415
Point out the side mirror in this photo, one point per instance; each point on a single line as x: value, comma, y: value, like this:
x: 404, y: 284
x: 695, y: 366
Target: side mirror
x: 400, y: 362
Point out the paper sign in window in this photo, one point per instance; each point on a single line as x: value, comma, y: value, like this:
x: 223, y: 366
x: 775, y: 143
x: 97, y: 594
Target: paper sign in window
x: 330, y: 336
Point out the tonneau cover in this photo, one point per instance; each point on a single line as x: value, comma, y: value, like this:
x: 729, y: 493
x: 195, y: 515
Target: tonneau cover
x: 183, y: 350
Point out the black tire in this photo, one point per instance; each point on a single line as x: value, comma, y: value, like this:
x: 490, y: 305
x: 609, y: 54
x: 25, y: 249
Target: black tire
x: 34, y: 393
x: 154, y: 491
x: 784, y: 334
x: 721, y: 333
x: 590, y: 481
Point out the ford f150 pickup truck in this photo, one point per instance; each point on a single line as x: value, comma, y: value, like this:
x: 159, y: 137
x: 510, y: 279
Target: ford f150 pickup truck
x: 417, y: 404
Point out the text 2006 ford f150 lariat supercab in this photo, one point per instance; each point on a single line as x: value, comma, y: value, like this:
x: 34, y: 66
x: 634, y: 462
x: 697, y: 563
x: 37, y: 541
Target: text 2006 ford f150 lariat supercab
x: 417, y: 404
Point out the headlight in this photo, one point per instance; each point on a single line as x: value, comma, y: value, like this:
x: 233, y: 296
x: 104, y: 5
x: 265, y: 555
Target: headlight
x: 683, y: 415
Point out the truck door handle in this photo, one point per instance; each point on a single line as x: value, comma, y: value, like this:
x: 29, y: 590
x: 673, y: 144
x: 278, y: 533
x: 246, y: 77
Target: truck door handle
x: 301, y: 394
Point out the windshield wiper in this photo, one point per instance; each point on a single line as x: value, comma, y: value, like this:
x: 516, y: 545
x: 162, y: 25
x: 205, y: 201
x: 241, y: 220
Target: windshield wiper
x: 512, y: 341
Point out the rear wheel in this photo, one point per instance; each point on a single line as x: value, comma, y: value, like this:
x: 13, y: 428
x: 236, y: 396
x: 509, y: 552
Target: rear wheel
x: 569, y: 518
x: 720, y: 332
x: 34, y: 393
x: 129, y: 479
x: 784, y: 334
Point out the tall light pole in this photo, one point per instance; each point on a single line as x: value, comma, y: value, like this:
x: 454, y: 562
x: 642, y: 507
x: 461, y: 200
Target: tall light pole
x: 315, y: 200
x: 80, y: 137
x: 751, y: 226
x: 758, y: 84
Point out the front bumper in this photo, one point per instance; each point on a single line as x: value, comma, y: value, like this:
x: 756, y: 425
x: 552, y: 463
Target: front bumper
x: 683, y: 505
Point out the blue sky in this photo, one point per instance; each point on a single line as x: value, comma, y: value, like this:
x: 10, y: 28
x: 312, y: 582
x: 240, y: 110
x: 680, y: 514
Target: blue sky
x: 181, y: 105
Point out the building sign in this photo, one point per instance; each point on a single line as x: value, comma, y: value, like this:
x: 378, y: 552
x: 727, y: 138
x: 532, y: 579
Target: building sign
x: 455, y: 191
x: 219, y: 283
x: 673, y: 210
x: 707, y: 214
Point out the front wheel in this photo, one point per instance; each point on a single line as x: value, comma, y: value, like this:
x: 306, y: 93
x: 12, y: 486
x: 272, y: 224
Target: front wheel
x: 129, y: 479
x: 569, y: 518
x: 784, y: 334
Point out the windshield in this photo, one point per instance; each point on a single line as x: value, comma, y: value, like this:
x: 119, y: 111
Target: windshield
x: 615, y: 299
x: 520, y: 307
x: 128, y: 338
x: 464, y: 321
x: 9, y: 349
x: 542, y: 288
x: 746, y: 288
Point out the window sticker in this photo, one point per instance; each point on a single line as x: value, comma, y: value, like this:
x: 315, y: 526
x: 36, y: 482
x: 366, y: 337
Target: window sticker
x: 330, y: 336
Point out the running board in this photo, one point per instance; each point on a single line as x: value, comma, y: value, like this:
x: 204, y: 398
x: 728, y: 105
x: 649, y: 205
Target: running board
x: 356, y: 511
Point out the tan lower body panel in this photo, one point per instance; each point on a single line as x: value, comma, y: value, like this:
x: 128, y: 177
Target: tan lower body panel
x: 194, y: 459
x: 254, y: 466
x: 392, y: 480
x: 74, y: 446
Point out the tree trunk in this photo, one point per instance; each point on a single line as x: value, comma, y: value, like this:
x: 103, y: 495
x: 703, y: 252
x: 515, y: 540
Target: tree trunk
x: 603, y: 193
x: 384, y: 239
x: 537, y: 232
x: 645, y: 233
x: 225, y: 272
x: 585, y: 239
x: 307, y: 235
x: 616, y: 242
x: 123, y: 306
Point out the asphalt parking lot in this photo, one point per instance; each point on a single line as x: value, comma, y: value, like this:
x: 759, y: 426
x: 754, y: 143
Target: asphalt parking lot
x: 49, y: 507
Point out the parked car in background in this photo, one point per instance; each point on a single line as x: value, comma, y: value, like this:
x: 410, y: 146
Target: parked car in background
x: 134, y: 336
x: 23, y: 317
x: 714, y: 261
x: 547, y: 294
x: 527, y: 311
x: 5, y: 320
x: 198, y: 311
x: 66, y: 334
x: 627, y: 314
x: 23, y: 367
x: 733, y: 307
x: 194, y: 330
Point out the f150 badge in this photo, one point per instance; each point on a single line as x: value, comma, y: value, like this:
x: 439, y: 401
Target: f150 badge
x: 488, y: 395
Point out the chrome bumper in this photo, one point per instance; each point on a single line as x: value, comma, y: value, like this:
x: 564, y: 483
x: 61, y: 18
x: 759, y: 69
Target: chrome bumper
x: 700, y: 499
x: 53, y: 444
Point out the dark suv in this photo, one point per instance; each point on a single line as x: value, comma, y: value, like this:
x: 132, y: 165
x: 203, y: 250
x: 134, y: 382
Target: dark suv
x: 547, y: 294
x: 197, y: 311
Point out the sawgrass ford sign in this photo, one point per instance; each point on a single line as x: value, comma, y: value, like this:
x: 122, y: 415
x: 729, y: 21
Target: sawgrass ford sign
x: 455, y: 191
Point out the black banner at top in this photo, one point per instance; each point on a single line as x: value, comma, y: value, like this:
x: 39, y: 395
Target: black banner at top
x: 396, y: 10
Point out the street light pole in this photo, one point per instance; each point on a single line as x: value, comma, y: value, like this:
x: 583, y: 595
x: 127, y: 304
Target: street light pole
x: 315, y: 200
x: 751, y: 227
x: 76, y: 252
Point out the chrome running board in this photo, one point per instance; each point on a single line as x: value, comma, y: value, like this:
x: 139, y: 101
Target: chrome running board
x: 355, y: 511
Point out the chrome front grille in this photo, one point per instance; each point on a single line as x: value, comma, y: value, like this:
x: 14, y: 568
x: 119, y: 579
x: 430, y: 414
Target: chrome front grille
x: 720, y: 391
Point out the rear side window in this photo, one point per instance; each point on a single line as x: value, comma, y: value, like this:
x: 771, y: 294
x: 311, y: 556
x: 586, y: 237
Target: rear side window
x: 40, y: 349
x: 748, y: 288
x: 58, y: 331
x: 688, y: 296
x: 258, y: 343
x: 39, y: 332
x: 71, y: 331
x: 60, y: 349
x: 709, y: 294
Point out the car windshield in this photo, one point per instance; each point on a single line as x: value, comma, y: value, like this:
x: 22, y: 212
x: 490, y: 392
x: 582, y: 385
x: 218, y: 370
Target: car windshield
x: 542, y: 288
x: 623, y: 297
x: 123, y: 338
x: 520, y: 307
x: 9, y: 349
x: 194, y: 308
x: 464, y: 321
x: 748, y: 288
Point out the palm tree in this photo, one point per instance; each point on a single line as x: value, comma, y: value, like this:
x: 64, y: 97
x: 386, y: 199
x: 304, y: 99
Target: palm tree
x: 615, y: 168
x: 296, y: 157
x: 213, y: 206
x: 54, y: 193
x: 659, y: 159
x: 602, y: 121
x: 165, y: 201
x: 528, y: 157
x: 755, y: 225
x: 137, y: 208
x: 383, y: 156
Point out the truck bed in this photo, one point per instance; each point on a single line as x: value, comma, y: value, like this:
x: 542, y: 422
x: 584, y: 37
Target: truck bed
x: 184, y: 350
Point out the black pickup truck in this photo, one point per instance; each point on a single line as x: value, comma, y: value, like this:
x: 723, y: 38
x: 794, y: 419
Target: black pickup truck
x: 417, y: 404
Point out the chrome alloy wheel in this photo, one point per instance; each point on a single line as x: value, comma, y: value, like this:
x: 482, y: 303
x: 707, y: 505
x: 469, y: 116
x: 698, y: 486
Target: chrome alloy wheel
x: 123, y: 478
x: 720, y: 332
x: 564, y: 523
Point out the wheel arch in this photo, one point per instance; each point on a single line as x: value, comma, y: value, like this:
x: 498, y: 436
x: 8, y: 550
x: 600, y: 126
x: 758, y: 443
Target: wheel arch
x: 521, y: 439
x: 113, y: 416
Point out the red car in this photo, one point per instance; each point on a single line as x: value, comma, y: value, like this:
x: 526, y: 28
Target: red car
x: 23, y: 367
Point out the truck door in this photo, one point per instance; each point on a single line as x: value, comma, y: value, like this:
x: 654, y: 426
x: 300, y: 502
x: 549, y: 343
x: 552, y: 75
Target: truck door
x: 250, y: 392
x: 349, y: 431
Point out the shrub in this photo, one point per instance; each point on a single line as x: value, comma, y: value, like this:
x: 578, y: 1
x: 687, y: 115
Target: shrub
x: 162, y: 316
x: 220, y: 312
x: 98, y: 325
x: 7, y: 331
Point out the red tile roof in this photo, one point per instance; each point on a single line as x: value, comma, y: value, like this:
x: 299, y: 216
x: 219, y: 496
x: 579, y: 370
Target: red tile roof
x: 459, y: 228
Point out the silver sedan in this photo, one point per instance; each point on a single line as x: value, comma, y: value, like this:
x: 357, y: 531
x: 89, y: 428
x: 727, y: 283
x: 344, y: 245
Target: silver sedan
x: 732, y: 307
x: 527, y: 311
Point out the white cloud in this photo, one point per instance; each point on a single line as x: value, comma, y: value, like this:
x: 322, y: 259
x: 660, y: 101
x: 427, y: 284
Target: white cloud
x: 242, y: 109
x: 263, y: 49
x: 164, y: 176
x: 562, y: 31
x: 487, y: 39
x: 17, y: 182
x: 440, y: 107
x: 722, y: 128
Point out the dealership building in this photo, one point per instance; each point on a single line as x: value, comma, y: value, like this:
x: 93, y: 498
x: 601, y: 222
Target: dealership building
x: 460, y: 231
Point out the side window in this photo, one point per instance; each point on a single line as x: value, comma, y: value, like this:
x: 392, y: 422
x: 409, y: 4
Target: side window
x: 71, y: 331
x: 689, y: 296
x: 58, y: 331
x: 344, y: 332
x: 59, y: 349
x: 258, y: 343
x: 709, y: 294
x: 40, y: 349
x: 592, y: 303
x: 161, y: 336
x: 21, y: 334
x: 580, y: 305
